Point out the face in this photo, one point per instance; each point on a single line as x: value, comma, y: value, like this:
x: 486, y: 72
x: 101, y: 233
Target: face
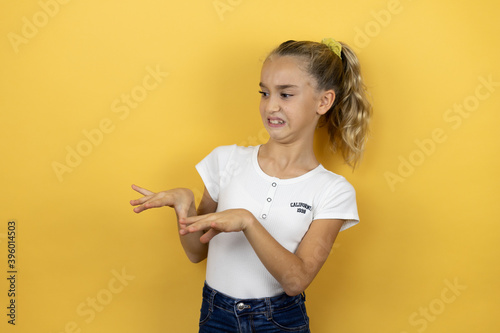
x: 290, y: 106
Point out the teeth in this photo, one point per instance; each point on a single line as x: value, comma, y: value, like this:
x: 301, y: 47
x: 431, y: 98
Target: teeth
x: 276, y: 122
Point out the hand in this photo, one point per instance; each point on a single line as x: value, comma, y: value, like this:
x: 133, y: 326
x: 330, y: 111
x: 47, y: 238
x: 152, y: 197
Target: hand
x: 180, y: 199
x: 231, y: 220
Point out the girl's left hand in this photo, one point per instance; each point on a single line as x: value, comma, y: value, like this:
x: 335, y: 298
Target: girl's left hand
x: 231, y: 220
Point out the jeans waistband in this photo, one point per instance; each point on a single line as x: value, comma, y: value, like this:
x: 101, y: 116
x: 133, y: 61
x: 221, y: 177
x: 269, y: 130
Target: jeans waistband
x: 242, y: 306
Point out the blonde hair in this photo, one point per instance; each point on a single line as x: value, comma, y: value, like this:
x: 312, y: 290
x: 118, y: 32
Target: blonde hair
x: 348, y: 118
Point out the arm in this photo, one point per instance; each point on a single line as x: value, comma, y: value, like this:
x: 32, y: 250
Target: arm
x: 294, y: 271
x: 182, y: 200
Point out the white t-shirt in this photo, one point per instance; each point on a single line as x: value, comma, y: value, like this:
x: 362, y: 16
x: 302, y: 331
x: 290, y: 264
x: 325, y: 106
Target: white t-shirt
x: 285, y: 207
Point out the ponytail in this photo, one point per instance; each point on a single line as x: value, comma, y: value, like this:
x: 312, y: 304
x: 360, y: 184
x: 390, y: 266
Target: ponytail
x: 348, y: 118
x: 347, y: 121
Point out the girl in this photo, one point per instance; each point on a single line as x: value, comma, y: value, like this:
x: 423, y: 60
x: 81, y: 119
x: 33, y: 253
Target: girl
x: 270, y: 214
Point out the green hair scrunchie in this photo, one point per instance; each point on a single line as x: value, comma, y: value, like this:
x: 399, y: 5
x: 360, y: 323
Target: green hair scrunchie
x: 335, y: 46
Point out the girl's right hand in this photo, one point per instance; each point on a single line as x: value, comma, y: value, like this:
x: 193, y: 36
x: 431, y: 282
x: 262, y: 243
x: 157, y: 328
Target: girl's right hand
x: 180, y: 199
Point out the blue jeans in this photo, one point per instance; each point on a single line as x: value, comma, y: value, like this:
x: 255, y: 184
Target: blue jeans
x: 282, y: 313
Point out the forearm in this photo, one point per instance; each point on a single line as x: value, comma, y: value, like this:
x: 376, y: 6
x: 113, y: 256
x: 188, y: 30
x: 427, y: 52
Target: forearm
x: 194, y: 249
x: 287, y: 268
x: 182, y: 200
x: 294, y: 271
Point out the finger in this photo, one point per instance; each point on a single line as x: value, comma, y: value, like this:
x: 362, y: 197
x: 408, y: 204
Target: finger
x: 200, y: 225
x: 141, y: 190
x: 155, y: 203
x: 183, y: 224
x: 207, y: 236
x: 140, y: 201
x: 148, y: 204
x: 183, y: 231
x: 139, y: 209
x: 196, y: 218
x: 201, y: 220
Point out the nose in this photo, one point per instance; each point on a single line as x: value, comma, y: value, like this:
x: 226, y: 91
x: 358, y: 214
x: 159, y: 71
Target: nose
x: 272, y: 104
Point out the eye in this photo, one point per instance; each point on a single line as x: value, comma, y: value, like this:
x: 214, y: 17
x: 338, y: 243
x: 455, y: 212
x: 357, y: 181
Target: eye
x: 263, y: 94
x: 286, y: 95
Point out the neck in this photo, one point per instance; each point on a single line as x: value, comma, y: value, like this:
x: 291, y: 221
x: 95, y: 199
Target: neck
x: 287, y: 160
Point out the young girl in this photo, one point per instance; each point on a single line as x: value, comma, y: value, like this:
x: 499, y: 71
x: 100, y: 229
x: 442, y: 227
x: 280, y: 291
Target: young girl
x: 270, y: 213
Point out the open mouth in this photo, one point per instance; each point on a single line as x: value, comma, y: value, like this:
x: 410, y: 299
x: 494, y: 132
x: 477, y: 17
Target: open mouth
x: 275, y: 122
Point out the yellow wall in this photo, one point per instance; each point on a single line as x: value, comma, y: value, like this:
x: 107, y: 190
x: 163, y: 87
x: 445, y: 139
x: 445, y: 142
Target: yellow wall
x: 423, y: 259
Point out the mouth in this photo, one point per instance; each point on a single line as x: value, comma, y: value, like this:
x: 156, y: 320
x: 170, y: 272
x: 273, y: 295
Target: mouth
x: 275, y: 122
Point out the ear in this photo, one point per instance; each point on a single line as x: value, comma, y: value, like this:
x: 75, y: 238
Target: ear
x: 326, y: 100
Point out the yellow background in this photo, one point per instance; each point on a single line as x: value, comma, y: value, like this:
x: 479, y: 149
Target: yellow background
x: 436, y: 225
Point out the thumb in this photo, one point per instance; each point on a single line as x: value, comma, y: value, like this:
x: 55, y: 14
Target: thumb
x: 207, y: 236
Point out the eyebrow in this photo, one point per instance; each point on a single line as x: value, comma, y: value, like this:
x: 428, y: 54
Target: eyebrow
x: 280, y: 86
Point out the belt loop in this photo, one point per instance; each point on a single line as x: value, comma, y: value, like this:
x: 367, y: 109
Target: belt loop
x: 269, y: 312
x: 303, y: 296
x: 212, y: 296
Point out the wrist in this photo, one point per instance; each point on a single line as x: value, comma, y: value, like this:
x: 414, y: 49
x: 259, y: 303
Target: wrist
x: 249, y: 221
x: 183, y: 203
x: 186, y: 193
x: 184, y: 196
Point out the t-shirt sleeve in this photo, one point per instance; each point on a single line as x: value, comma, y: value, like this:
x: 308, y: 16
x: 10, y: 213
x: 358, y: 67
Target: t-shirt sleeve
x: 211, y: 169
x: 339, y: 202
